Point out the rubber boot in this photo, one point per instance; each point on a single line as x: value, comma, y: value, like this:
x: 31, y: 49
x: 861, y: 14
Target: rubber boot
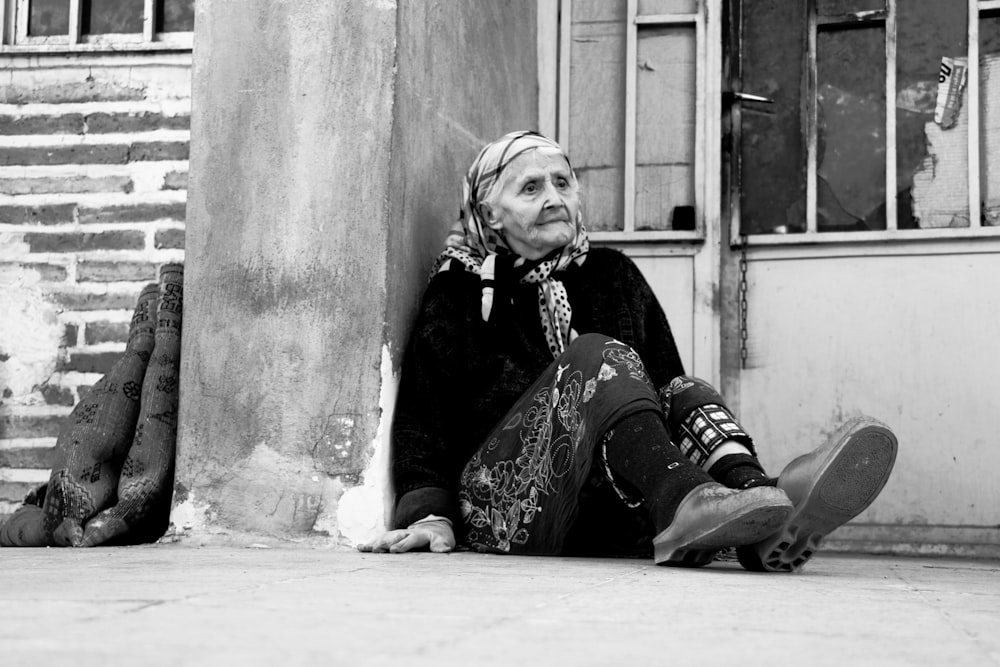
x: 713, y: 517
x: 828, y: 486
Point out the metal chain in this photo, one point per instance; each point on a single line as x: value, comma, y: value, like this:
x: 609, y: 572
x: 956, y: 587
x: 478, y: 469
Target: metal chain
x: 744, y: 333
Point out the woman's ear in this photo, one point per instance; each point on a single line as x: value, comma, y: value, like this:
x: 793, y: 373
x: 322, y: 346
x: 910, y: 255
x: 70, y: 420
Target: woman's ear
x: 489, y: 217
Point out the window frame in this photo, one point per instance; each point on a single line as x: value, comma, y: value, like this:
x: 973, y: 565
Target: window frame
x: 892, y: 233
x: 14, y: 15
x: 555, y: 18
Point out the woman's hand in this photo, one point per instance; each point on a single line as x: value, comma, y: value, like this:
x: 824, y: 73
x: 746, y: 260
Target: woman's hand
x: 434, y: 533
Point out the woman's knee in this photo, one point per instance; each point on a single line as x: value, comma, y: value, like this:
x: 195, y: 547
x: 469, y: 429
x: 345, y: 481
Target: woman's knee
x: 693, y: 391
x: 594, y: 346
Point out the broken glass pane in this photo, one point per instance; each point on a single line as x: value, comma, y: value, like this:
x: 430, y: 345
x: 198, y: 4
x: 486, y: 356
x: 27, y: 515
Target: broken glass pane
x: 932, y: 149
x: 175, y: 16
x: 48, y: 17
x: 850, y: 182
x: 772, y: 151
x: 102, y: 17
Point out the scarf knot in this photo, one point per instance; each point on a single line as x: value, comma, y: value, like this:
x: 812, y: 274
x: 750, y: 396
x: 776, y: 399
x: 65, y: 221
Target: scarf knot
x: 477, y: 247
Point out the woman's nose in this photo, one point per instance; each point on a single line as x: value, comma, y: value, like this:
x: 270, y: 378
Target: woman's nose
x: 552, y: 196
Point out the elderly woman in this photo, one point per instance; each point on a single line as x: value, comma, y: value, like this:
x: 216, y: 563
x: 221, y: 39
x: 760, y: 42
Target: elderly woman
x: 544, y: 408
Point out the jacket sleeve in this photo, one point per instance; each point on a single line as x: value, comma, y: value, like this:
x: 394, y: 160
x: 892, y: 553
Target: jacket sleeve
x: 431, y: 405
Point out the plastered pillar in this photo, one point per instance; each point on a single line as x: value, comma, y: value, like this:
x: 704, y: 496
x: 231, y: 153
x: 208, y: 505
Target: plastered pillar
x: 328, y: 143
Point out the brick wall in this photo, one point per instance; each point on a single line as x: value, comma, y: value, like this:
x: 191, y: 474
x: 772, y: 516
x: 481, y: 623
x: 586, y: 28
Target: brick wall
x: 93, y: 177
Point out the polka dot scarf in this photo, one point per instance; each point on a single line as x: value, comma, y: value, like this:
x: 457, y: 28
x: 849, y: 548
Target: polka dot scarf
x: 477, y: 247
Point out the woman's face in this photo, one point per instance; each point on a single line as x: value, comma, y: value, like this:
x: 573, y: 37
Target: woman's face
x: 536, y: 205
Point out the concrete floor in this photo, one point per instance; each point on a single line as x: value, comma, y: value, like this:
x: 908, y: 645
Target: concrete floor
x: 181, y: 605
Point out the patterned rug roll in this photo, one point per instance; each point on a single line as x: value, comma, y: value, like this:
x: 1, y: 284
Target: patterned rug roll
x: 94, y: 440
x: 144, y: 488
x: 113, y: 472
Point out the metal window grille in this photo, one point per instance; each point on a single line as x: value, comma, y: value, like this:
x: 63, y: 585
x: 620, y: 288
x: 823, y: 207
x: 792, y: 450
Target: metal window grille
x: 886, y: 19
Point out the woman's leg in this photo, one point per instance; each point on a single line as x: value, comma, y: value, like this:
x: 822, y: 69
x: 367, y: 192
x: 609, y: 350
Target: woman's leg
x: 708, y: 434
x: 828, y: 486
x: 520, y: 492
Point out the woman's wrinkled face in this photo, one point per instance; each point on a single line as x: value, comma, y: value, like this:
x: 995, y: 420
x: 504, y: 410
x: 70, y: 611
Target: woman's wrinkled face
x: 536, y: 205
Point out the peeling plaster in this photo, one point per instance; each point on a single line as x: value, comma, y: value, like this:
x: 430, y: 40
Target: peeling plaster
x: 188, y: 516
x: 30, y: 336
x: 364, y: 510
x: 940, y: 184
x: 269, y: 490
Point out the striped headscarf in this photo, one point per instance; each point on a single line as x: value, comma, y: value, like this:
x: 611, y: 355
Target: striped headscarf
x: 477, y: 247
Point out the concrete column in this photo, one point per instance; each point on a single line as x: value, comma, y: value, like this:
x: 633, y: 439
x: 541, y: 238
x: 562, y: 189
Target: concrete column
x: 328, y: 144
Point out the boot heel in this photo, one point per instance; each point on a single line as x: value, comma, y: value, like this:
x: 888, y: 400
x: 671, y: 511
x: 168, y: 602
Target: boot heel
x: 829, y: 487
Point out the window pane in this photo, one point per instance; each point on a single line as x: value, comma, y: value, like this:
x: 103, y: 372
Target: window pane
x: 850, y: 185
x: 589, y: 11
x: 931, y: 157
x: 175, y: 16
x: 597, y: 112
x: 667, y: 7
x: 101, y: 17
x: 772, y: 151
x: 665, y: 128
x: 989, y: 94
x: 989, y: 33
x: 837, y: 7
x: 48, y: 17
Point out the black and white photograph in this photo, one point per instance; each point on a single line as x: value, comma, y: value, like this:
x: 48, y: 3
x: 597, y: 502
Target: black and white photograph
x: 499, y: 333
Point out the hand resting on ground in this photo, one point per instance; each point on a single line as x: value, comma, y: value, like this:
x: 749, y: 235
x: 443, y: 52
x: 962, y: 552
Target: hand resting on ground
x: 432, y: 532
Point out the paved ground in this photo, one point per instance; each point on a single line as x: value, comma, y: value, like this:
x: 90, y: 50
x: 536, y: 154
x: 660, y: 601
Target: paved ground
x: 180, y: 605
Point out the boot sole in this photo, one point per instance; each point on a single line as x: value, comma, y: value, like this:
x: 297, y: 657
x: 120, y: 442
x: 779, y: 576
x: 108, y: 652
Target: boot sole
x: 698, y: 548
x: 853, y: 475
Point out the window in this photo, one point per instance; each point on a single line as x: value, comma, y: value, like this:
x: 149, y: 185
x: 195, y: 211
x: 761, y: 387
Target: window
x: 884, y: 122
x: 631, y: 109
x: 52, y: 25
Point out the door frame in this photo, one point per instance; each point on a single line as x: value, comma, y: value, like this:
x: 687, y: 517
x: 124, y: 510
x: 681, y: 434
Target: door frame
x: 553, y: 48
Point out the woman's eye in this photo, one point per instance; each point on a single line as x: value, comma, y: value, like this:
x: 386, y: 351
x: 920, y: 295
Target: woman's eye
x: 562, y: 183
x: 530, y: 188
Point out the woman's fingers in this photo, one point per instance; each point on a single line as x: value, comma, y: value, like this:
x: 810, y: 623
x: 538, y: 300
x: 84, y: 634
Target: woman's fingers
x: 384, y: 542
x: 440, y: 540
x: 414, y: 539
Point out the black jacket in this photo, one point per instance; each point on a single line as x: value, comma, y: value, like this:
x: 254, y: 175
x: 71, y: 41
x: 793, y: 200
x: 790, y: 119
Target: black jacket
x: 461, y: 375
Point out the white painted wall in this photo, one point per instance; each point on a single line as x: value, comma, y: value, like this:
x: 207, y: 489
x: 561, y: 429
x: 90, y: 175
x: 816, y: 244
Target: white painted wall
x: 910, y: 339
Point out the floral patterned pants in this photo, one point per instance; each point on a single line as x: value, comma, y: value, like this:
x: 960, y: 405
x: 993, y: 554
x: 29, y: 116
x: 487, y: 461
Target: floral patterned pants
x: 525, y: 488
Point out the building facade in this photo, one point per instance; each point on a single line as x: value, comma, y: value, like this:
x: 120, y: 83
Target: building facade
x: 94, y: 135
x: 812, y: 189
